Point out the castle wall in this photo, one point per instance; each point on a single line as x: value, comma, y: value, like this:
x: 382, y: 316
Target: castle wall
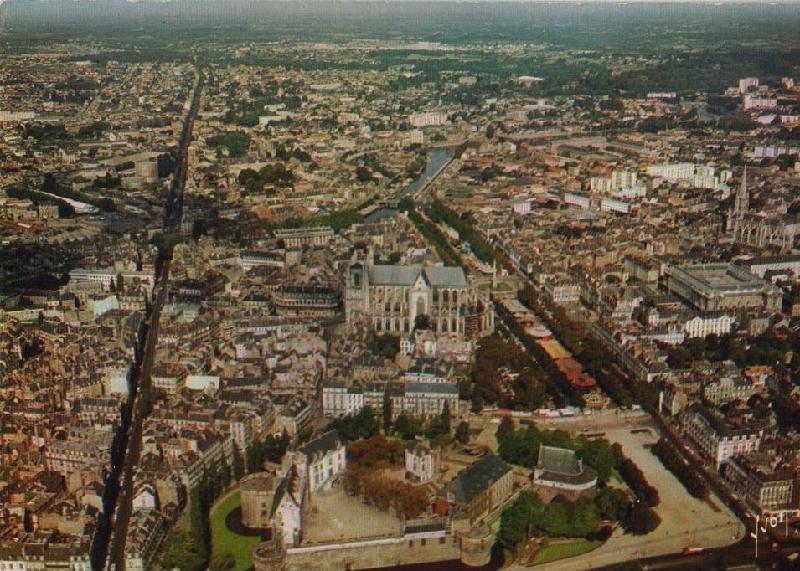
x: 410, y: 549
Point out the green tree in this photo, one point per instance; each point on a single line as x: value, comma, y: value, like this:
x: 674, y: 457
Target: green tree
x: 367, y: 423
x: 225, y: 473
x: 599, y: 455
x: 422, y: 322
x: 476, y: 405
x: 358, y: 426
x: 517, y: 522
x: 387, y: 413
x: 445, y: 418
x: 505, y: 429
x: 384, y: 345
x: 611, y: 503
x: 275, y: 447
x: 462, y: 432
x: 181, y: 552
x: 234, y: 142
x: 254, y: 457
x: 406, y: 427
x: 363, y: 174
x: 555, y: 520
x: 238, y: 467
x: 584, y: 517
x: 198, y: 519
x: 641, y: 520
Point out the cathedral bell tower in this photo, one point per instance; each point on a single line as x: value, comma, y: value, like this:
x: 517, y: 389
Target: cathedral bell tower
x: 741, y: 204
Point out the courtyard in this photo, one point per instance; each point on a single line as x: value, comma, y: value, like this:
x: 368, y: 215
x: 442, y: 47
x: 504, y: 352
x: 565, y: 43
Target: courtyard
x: 338, y: 516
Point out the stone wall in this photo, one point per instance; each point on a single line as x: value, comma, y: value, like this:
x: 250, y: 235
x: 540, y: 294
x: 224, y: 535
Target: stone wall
x: 473, y: 548
x: 416, y: 548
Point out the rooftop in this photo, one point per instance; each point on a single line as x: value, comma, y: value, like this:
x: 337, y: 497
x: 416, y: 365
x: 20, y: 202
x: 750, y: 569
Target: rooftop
x: 451, y: 276
x: 562, y: 465
x: 717, y: 277
x: 322, y: 444
x: 472, y: 481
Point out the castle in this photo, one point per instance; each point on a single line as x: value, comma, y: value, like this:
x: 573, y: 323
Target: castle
x: 458, y: 531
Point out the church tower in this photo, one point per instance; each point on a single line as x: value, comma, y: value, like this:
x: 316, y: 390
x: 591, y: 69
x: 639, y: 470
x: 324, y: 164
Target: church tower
x: 741, y: 204
x: 742, y: 201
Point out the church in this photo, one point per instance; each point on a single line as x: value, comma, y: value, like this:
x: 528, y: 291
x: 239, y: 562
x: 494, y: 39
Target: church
x: 774, y: 231
x: 393, y: 299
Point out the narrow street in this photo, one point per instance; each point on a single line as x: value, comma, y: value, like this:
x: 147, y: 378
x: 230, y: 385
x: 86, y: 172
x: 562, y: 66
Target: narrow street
x: 142, y: 382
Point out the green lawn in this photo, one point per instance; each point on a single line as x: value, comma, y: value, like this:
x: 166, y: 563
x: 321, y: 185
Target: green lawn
x: 223, y: 540
x: 556, y: 551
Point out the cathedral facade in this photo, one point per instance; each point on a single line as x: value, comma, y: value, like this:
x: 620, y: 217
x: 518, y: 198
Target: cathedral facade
x: 393, y: 299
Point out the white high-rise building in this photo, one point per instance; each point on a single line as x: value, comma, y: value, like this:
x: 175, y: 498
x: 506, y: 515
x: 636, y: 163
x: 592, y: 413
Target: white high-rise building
x: 619, y: 180
x: 752, y: 102
x: 672, y: 171
x: 428, y: 119
x: 746, y: 83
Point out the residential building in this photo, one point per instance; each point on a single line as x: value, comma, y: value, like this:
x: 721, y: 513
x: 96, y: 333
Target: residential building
x: 480, y: 488
x: 767, y: 484
x: 420, y: 462
x: 323, y: 459
x: 719, y: 438
x: 299, y: 237
x: 428, y: 119
x: 340, y: 400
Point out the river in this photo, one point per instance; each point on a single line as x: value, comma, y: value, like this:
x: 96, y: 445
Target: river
x: 437, y: 159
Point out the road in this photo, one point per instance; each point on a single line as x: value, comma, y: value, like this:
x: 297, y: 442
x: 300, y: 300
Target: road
x: 125, y: 501
x: 132, y: 444
x: 737, y: 556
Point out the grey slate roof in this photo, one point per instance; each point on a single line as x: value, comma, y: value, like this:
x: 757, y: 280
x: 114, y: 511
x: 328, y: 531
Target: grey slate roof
x: 452, y: 276
x: 562, y: 465
x: 322, y: 444
x: 432, y: 388
x: 472, y: 481
x: 558, y: 460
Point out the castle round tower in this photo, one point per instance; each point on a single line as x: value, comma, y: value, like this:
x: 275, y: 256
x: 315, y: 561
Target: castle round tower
x: 476, y: 546
x: 270, y: 555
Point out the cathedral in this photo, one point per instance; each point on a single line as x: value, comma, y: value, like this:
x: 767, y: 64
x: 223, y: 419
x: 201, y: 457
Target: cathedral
x: 755, y: 230
x: 393, y: 299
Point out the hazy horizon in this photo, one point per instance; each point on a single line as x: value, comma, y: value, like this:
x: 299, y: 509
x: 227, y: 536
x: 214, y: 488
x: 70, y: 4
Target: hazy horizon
x: 61, y: 11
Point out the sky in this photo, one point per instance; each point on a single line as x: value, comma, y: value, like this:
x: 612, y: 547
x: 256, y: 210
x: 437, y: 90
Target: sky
x: 59, y: 11
x: 466, y: 1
